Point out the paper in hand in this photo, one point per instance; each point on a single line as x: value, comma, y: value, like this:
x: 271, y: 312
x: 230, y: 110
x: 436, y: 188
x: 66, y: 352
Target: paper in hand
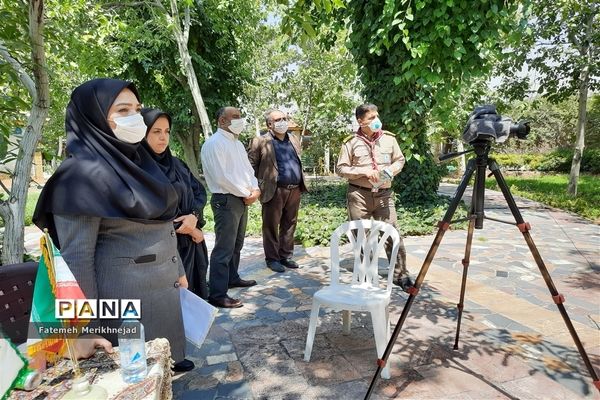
x: 198, y: 317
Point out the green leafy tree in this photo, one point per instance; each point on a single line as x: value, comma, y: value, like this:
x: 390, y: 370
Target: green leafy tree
x: 221, y: 50
x: 318, y: 86
x: 561, y: 45
x: 22, y: 55
x: 325, y: 90
x: 593, y: 123
x: 411, y: 55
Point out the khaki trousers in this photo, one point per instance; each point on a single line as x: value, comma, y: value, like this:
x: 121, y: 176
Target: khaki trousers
x: 364, y: 204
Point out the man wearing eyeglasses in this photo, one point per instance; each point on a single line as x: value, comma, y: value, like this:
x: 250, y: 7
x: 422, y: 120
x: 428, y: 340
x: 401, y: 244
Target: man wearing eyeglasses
x: 275, y: 157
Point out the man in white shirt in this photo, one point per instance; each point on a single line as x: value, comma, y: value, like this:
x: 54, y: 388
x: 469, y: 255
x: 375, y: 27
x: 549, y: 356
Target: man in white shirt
x: 231, y: 180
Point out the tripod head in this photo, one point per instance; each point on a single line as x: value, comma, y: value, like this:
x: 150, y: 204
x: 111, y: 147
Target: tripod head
x: 480, y: 147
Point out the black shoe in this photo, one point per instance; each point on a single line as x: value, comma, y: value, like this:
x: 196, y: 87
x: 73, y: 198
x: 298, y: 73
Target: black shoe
x: 288, y: 262
x: 183, y: 366
x: 275, y: 266
x: 226, y: 302
x: 404, y: 282
x: 243, y: 283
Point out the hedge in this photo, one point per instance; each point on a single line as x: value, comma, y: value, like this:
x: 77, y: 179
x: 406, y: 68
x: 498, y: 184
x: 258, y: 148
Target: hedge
x: 556, y: 161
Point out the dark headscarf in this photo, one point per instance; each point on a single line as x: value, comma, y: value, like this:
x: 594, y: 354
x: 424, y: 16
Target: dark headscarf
x: 192, y: 195
x: 103, y: 176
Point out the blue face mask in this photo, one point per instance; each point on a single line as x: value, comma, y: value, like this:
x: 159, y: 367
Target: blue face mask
x: 376, y: 124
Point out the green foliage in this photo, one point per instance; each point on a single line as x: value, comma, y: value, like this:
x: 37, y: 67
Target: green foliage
x: 324, y: 208
x: 550, y: 190
x: 14, y: 98
x: 592, y: 129
x: 412, y: 55
x: 520, y: 161
x: 418, y: 182
x: 318, y: 85
x: 416, y: 220
x: 222, y: 50
x: 561, y: 38
x: 32, y: 198
x: 555, y: 161
x: 560, y: 161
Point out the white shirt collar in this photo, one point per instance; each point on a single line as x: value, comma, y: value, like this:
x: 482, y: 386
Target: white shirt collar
x: 228, y: 135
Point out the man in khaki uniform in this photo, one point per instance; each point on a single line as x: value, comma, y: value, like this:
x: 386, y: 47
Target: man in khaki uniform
x: 369, y: 159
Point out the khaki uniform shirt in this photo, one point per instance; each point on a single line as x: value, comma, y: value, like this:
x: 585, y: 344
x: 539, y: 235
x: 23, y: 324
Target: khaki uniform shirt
x: 355, y: 163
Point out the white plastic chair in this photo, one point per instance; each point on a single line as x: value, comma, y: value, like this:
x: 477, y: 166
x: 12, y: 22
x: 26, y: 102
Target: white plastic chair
x: 367, y: 238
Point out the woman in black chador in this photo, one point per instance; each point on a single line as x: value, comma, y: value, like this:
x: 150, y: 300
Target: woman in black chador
x: 192, y: 199
x: 110, y: 211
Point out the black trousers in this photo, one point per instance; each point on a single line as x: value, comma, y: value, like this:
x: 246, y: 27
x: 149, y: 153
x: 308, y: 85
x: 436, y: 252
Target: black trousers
x: 231, y: 217
x: 280, y: 217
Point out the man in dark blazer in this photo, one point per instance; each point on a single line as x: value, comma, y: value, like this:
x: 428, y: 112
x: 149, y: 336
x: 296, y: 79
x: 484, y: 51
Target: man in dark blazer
x: 275, y: 157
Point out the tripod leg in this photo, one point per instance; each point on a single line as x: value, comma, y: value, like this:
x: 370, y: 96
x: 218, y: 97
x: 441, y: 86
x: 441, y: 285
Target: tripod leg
x: 463, y: 285
x: 556, y: 297
x: 444, y: 224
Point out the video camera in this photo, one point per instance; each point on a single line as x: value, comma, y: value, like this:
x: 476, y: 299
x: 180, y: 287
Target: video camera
x: 485, y: 125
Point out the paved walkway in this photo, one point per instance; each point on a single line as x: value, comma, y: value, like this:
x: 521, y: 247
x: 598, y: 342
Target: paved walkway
x: 514, y: 344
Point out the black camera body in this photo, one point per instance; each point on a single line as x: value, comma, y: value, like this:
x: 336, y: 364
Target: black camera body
x: 485, y: 125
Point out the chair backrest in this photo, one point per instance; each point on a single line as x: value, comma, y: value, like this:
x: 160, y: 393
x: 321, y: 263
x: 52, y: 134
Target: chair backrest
x: 367, y: 239
x: 16, y: 296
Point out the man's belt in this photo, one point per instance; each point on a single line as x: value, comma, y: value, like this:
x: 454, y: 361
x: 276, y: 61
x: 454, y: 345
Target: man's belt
x: 366, y: 188
x: 280, y: 185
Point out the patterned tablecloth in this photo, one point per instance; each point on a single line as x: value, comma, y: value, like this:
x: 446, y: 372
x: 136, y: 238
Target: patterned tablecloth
x: 103, y: 370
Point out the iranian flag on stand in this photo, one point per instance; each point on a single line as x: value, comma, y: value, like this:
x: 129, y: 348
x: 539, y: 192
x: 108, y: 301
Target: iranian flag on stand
x: 54, y: 280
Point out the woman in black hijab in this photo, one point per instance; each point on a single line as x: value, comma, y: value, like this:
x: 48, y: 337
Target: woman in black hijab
x: 110, y: 210
x: 192, y: 199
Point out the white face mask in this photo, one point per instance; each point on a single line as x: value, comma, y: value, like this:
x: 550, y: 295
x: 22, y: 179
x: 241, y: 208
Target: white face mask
x: 130, y: 129
x: 280, y: 126
x: 375, y: 125
x: 237, y: 125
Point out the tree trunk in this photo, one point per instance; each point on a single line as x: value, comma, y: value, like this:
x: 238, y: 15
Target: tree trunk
x: 181, y: 37
x: 190, y: 143
x: 327, y: 159
x: 462, y: 160
x: 13, y: 209
x: 580, y: 139
x: 189, y: 155
x: 586, y: 52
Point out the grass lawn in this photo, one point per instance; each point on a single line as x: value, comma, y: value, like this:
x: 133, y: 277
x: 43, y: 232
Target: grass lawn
x: 552, y: 190
x: 32, y: 198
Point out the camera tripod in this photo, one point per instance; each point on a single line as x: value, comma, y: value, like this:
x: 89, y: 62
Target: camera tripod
x: 478, y: 166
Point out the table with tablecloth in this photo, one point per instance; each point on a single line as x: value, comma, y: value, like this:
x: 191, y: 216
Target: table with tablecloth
x: 103, y: 369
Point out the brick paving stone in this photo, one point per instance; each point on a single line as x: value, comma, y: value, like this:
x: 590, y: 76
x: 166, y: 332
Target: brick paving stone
x: 236, y: 390
x: 235, y: 372
x: 221, y: 358
x: 335, y: 369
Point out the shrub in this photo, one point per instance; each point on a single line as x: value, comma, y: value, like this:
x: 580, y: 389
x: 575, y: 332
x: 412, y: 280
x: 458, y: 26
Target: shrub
x: 324, y: 208
x: 556, y: 161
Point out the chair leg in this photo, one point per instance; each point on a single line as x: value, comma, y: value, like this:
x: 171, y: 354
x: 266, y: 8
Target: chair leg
x: 381, y: 333
x: 312, y: 327
x: 346, y: 318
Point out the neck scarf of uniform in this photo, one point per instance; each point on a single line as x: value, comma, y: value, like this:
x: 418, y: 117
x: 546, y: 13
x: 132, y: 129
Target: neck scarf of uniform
x: 370, y: 142
x: 103, y: 176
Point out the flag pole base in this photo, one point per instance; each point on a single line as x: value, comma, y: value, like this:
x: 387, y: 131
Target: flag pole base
x: 82, y: 390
